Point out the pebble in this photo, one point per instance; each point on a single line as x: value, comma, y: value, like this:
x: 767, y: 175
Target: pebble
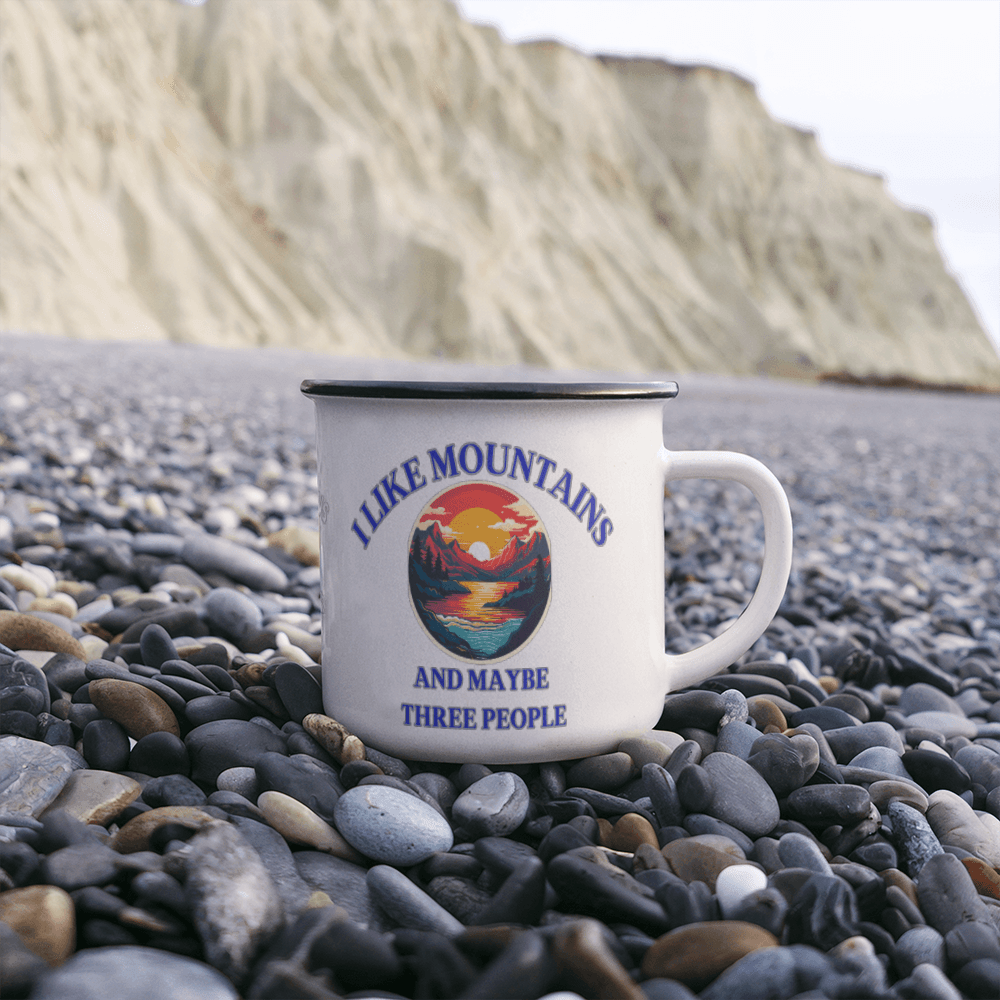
x: 495, y: 805
x: 391, y: 826
x: 734, y: 884
x: 216, y: 746
x: 44, y: 918
x: 210, y: 554
x: 409, y: 905
x: 138, y: 710
x: 95, y: 796
x: 956, y: 824
x: 741, y: 797
x: 154, y: 974
x: 300, y: 825
x: 20, y: 631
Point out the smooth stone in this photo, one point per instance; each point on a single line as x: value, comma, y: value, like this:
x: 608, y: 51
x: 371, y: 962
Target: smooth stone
x: 828, y: 804
x: 594, y: 887
x: 847, y: 742
x: 956, y: 824
x: 212, y: 708
x: 20, y: 631
x: 130, y: 970
x: 236, y: 805
x: 172, y: 790
x: 933, y: 771
x: 913, y: 836
x: 736, y: 738
x: 159, y: 754
x: 741, y: 797
x: 825, y: 718
x: 17, y: 673
x: 700, y: 825
x: 20, y: 967
x: 106, y: 745
x: 734, y: 884
x: 233, y: 613
x: 344, y: 882
x: 66, y: 672
x: 695, y: 861
x: 783, y: 763
x: 765, y: 712
x: 391, y: 826
x: 945, y: 723
x: 697, y: 709
x: 947, y: 895
x: 210, y: 554
x: 917, y: 946
x: 493, y: 806
x: 80, y: 865
x: 580, y: 949
x: 768, y: 973
x: 217, y: 746
x: 32, y: 774
x: 823, y: 913
x: 921, y: 697
x: 698, y: 953
x: 630, y: 831
x: 930, y: 982
x: 985, y: 877
x: 241, y: 780
x: 661, y: 788
x: 409, y: 905
x: 521, y: 898
x: 765, y: 907
x: 695, y: 788
x: 134, y: 836
x: 104, y: 670
x: 95, y: 796
x: 44, y: 918
x: 735, y: 703
x: 299, y: 824
x: 796, y: 850
x: 298, y: 690
x: 880, y: 759
x: 605, y: 772
x: 360, y: 959
x: 436, y: 785
x: 644, y: 750
x: 979, y: 978
x: 982, y: 765
x: 684, y: 754
x: 234, y: 904
x: 276, y: 772
x: 156, y: 646
x: 883, y: 792
x: 460, y: 896
x: 970, y: 942
x: 136, y: 709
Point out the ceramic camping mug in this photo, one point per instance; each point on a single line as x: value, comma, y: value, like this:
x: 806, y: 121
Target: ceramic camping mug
x: 493, y: 565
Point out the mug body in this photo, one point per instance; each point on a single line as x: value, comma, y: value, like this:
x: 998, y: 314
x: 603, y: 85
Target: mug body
x: 492, y: 566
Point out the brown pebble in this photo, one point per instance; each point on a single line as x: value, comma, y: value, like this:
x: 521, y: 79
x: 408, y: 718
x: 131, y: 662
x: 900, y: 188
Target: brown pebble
x: 250, y: 674
x: 300, y: 543
x: 696, y: 953
x: 765, y: 713
x: 985, y: 877
x: 134, y: 835
x: 580, y: 950
x: 893, y: 876
x: 45, y: 918
x: 95, y: 796
x: 698, y: 862
x: 58, y: 604
x: 22, y: 631
x: 644, y: 750
x: 647, y: 857
x: 632, y: 830
x: 341, y: 745
x: 136, y: 709
x: 605, y: 831
x: 829, y: 683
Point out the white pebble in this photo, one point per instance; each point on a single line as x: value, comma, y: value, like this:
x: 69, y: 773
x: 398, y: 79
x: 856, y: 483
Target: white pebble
x: 734, y: 884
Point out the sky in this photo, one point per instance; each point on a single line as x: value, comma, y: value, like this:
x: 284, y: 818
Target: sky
x: 909, y: 89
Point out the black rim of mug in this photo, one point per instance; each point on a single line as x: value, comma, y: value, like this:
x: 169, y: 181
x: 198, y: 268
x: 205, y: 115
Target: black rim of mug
x: 490, y: 390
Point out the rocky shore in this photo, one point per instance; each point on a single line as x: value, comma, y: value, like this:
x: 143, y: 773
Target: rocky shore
x: 179, y: 817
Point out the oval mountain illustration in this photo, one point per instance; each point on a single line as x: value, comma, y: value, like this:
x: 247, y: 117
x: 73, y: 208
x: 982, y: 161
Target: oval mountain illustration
x: 480, y: 571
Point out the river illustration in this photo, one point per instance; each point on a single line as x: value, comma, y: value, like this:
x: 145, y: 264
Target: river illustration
x: 479, y: 571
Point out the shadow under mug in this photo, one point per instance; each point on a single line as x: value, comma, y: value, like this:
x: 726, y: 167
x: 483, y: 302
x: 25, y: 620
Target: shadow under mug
x: 492, y: 565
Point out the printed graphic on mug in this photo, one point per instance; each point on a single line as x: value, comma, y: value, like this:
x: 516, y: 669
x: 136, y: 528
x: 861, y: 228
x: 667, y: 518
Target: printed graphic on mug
x: 480, y: 571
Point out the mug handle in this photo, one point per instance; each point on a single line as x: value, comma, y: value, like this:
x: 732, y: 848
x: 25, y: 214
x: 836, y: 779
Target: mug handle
x: 694, y: 666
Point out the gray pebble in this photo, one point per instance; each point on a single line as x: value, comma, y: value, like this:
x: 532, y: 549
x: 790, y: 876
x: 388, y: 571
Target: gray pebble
x: 409, y: 905
x: 493, y: 806
x: 209, y: 554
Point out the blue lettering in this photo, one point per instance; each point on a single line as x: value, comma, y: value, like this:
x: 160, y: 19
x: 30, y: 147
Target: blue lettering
x: 454, y: 718
x: 411, y: 474
x: 496, y: 682
x: 477, y: 680
x: 454, y: 679
x: 560, y: 715
x: 368, y: 515
x: 542, y: 678
x: 575, y: 505
x: 514, y: 716
x: 392, y: 488
x: 524, y: 461
x: 593, y: 514
x: 600, y: 536
x: 364, y: 538
x: 470, y: 718
x: 406, y: 713
x: 490, y: 449
x: 381, y: 502
x: 443, y: 466
x: 534, y: 714
x: 439, y: 722
x: 564, y: 485
x: 547, y: 466
x: 421, y: 681
x: 438, y: 678
x: 489, y: 715
x: 479, y: 458
x: 423, y: 714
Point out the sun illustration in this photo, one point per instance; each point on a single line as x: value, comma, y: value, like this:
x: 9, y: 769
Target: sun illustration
x: 476, y: 531
x: 480, y: 571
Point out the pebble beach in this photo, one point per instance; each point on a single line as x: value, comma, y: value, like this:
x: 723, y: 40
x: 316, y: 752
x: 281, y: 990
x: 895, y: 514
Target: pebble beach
x: 180, y: 817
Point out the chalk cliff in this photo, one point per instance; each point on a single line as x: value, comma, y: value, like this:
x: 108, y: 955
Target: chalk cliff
x: 382, y: 178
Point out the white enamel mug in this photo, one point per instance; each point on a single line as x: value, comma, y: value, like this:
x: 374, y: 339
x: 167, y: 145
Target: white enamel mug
x: 493, y: 565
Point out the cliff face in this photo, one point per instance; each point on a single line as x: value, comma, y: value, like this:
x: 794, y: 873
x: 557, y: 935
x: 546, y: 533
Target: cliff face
x: 382, y: 178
